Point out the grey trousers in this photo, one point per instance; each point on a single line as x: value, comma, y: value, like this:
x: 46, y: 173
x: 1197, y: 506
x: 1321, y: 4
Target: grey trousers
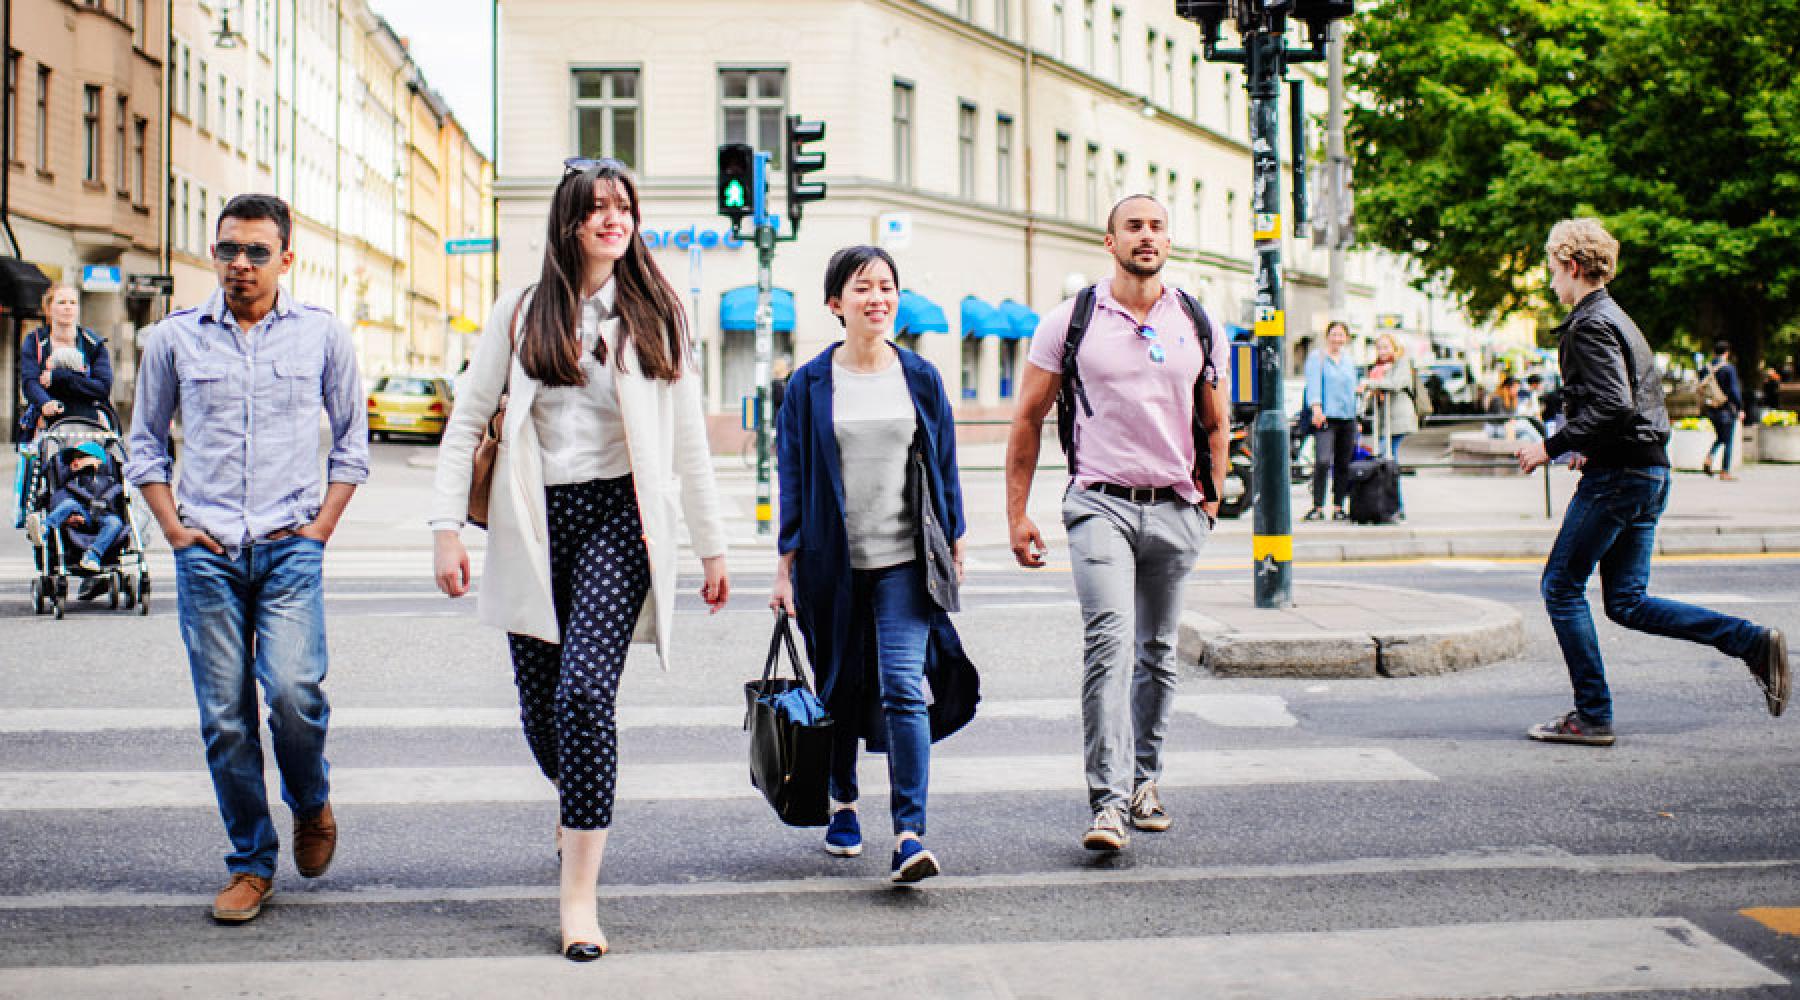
x: 1129, y: 561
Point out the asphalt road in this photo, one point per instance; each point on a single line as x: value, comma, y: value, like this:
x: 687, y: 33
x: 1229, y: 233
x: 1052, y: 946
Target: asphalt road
x: 1389, y: 837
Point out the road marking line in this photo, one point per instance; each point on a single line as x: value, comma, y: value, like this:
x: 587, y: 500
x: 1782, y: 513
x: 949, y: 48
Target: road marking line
x: 1406, y: 963
x: 1780, y: 919
x: 1550, y: 859
x: 1239, y: 711
x: 31, y: 791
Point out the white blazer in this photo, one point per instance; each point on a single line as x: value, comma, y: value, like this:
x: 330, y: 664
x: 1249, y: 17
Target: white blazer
x: 665, y: 433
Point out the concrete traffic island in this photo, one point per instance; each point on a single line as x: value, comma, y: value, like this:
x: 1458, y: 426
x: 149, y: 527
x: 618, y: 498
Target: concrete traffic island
x: 1344, y: 630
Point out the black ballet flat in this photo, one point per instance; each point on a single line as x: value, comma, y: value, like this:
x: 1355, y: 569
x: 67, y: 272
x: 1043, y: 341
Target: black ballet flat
x: 583, y: 951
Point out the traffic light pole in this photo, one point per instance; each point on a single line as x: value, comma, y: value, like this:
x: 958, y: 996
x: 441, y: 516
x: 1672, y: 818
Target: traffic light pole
x: 765, y: 341
x: 1265, y: 57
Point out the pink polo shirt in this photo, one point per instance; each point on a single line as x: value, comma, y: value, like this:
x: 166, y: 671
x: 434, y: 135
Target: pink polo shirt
x: 1140, y: 431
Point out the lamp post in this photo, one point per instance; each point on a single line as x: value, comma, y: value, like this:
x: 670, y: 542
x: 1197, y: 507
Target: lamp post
x: 1265, y: 55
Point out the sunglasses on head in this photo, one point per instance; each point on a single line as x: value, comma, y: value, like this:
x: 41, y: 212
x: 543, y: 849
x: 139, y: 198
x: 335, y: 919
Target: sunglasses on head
x: 1148, y: 332
x: 259, y: 253
x: 579, y: 164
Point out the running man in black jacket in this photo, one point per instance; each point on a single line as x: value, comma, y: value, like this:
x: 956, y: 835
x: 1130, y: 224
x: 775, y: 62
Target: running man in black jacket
x: 1617, y: 430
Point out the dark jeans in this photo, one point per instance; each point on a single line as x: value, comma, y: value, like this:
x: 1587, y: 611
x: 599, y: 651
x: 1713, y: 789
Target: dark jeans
x: 896, y: 600
x: 109, y: 526
x: 1724, y: 421
x: 1611, y: 523
x: 1333, y: 446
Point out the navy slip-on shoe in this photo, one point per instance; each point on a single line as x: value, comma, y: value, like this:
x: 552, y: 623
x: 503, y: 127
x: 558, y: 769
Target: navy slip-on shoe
x: 843, y: 838
x: 913, y: 863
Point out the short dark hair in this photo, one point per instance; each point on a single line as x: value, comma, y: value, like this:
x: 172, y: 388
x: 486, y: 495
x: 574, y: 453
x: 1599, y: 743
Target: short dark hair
x: 1337, y: 324
x: 259, y: 206
x: 1113, y: 216
x: 1721, y: 347
x: 845, y: 264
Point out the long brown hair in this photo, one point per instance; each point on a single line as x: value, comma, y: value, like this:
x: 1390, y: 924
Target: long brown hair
x: 649, y: 311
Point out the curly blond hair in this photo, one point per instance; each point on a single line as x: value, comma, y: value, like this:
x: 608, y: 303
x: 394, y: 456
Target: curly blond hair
x: 1588, y: 244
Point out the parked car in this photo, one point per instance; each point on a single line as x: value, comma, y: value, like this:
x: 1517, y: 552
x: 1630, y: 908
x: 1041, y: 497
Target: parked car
x: 408, y: 404
x: 1452, y: 386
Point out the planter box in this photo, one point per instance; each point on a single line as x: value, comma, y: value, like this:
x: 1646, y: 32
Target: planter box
x: 1780, y: 444
x: 1687, y: 449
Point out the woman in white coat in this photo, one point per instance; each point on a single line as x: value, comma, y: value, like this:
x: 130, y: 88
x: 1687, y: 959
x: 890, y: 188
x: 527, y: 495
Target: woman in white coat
x: 603, y: 436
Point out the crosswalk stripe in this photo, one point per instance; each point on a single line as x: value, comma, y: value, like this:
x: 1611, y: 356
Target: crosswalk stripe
x: 1515, y: 860
x: 1408, y: 963
x: 32, y: 791
x: 1240, y: 711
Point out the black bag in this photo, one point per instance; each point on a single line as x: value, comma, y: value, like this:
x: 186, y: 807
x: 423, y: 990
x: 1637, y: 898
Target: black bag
x: 932, y: 543
x: 1374, y: 491
x: 789, y: 760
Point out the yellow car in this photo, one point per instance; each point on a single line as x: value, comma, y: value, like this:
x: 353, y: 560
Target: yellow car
x: 408, y: 404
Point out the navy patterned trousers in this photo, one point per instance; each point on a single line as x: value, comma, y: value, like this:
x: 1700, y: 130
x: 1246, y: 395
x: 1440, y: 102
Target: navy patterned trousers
x: 599, y: 576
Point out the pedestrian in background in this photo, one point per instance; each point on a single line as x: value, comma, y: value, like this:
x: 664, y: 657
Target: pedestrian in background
x: 250, y: 372
x: 65, y: 369
x: 1512, y: 411
x: 858, y: 564
x: 1724, y: 403
x: 1331, y: 399
x: 1135, y: 510
x: 1618, y: 428
x: 604, y: 439
x: 1391, y: 382
x: 1771, y: 389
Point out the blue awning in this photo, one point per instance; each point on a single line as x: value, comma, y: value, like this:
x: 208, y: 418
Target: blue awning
x: 919, y: 314
x: 1021, y: 322
x: 982, y: 320
x: 737, y: 309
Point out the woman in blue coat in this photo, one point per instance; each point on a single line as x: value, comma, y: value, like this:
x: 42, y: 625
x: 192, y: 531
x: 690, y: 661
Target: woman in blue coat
x: 871, y: 552
x: 64, y: 368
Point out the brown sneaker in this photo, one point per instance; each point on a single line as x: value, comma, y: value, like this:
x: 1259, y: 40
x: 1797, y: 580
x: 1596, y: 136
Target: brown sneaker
x: 242, y: 898
x: 315, y: 840
x: 1769, y: 664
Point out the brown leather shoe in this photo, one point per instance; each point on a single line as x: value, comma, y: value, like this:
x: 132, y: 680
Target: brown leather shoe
x: 242, y: 898
x: 315, y: 840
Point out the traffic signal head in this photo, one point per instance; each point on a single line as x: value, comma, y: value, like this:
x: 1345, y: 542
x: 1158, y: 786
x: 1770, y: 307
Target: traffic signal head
x: 1318, y: 14
x: 737, y: 179
x: 801, y: 162
x: 1209, y: 14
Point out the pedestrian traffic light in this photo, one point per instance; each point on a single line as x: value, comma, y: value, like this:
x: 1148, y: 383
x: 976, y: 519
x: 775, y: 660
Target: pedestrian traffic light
x: 800, y: 162
x: 737, y: 179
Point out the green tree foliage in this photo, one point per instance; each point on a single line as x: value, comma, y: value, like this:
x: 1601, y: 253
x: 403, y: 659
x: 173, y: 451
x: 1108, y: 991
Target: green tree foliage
x: 1675, y: 121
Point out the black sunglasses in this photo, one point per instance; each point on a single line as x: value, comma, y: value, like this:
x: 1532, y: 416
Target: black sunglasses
x: 259, y: 253
x: 578, y: 164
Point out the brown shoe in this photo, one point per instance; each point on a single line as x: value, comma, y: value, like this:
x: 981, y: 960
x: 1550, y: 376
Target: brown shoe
x: 315, y: 840
x: 242, y: 898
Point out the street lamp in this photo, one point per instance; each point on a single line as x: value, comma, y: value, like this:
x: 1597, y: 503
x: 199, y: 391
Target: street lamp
x: 1262, y: 27
x: 225, y: 36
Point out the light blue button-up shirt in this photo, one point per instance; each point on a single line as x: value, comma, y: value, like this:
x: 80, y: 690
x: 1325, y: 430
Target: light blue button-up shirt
x: 1331, y: 385
x: 249, y: 404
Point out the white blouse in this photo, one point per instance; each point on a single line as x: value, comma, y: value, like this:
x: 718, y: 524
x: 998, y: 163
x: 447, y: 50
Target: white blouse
x: 579, y: 427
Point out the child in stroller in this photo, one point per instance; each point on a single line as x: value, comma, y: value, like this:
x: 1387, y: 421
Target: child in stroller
x: 85, y: 503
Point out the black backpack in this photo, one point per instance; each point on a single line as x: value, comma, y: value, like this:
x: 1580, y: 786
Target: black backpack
x: 1071, y: 392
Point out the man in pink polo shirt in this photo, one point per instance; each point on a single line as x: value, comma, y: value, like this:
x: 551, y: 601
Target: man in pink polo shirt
x: 1134, y: 513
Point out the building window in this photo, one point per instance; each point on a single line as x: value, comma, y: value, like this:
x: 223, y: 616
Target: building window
x: 238, y: 130
x: 1194, y: 87
x: 1062, y: 175
x: 222, y: 123
x: 1118, y: 177
x: 43, y: 119
x: 1149, y: 65
x: 140, y: 138
x: 1058, y: 30
x: 1231, y: 222
x: 752, y: 105
x: 186, y: 92
x: 12, y: 105
x: 1225, y: 91
x: 90, y: 133
x: 202, y: 233
x: 1087, y: 32
x: 201, y: 109
x: 1003, y: 141
x: 121, y: 152
x: 138, y: 21
x: 1118, y: 45
x: 965, y: 149
x: 965, y: 9
x: 608, y: 114
x: 1003, y: 17
x: 1174, y: 197
x: 1154, y: 176
x: 903, y: 132
x: 971, y: 367
x: 1093, y: 183
x: 181, y: 221
x: 1199, y: 213
x: 1169, y: 72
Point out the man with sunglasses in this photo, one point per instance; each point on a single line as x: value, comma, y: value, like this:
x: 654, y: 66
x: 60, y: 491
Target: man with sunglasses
x: 1138, y: 505
x: 249, y: 373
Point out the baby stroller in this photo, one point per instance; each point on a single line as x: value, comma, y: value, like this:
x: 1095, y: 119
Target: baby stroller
x: 123, y: 575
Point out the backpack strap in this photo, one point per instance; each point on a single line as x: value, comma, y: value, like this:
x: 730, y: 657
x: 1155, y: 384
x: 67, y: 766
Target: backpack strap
x: 1204, y: 385
x: 1072, y: 392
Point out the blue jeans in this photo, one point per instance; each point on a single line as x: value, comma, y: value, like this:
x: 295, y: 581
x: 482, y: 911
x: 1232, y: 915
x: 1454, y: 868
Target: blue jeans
x: 1611, y: 523
x: 1724, y: 421
x: 111, y: 527
x: 895, y: 598
x: 1399, y: 489
x: 257, y: 615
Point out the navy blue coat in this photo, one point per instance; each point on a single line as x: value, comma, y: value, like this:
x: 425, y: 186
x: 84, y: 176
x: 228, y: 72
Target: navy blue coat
x: 840, y: 642
x: 81, y: 394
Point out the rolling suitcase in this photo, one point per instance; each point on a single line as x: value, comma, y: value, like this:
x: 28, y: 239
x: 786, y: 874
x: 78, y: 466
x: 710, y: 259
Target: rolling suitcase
x: 1375, y: 482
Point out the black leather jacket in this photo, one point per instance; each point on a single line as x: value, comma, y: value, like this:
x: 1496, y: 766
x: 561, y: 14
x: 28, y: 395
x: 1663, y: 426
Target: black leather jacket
x: 1612, y: 395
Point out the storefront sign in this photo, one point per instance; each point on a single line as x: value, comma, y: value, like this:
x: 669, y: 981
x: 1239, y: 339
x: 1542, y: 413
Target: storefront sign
x: 99, y: 278
x: 693, y: 236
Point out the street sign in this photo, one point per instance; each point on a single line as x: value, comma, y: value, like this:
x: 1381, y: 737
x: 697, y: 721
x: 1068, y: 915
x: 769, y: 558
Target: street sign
x: 471, y: 245
x: 147, y: 285
x: 893, y: 230
x: 100, y: 278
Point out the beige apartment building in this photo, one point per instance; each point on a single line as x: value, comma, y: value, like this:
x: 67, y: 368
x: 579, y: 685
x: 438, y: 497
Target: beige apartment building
x: 983, y: 141
x: 84, y: 92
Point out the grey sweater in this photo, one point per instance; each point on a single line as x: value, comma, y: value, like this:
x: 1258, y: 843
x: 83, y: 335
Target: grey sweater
x: 873, y: 420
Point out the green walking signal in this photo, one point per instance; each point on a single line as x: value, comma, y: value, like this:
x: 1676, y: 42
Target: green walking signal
x: 737, y: 172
